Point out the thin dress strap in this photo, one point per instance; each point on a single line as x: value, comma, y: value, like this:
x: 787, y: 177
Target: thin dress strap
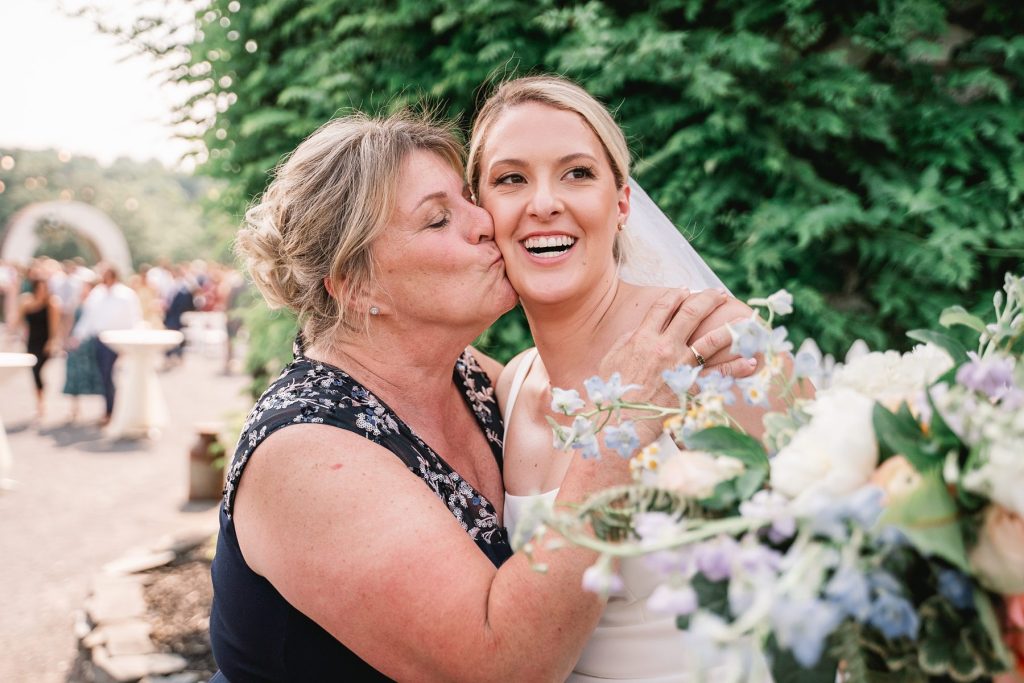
x: 517, y: 383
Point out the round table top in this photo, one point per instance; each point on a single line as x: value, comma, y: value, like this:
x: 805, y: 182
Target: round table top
x: 17, y: 360
x: 141, y: 338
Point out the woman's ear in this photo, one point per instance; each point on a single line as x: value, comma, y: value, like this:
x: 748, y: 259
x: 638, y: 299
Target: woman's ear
x: 329, y: 286
x: 623, y: 204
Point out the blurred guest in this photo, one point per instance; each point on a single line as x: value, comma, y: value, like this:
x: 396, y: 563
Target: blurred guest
x: 66, y: 285
x: 82, y: 372
x: 149, y: 299
x: 40, y: 311
x: 235, y: 289
x: 180, y: 302
x: 111, y: 305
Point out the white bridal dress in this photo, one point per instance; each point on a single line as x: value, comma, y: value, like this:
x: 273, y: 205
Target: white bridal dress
x: 632, y: 643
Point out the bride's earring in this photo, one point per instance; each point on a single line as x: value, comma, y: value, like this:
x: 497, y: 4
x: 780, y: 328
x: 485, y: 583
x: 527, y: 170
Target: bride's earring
x: 374, y: 310
x: 621, y: 227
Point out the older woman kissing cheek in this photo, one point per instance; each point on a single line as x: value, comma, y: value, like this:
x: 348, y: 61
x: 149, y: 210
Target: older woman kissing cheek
x: 361, y: 531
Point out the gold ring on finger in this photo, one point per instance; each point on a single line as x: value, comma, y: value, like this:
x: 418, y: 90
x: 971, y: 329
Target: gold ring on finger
x: 696, y: 354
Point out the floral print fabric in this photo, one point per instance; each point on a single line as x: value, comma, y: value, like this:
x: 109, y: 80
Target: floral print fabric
x: 312, y: 392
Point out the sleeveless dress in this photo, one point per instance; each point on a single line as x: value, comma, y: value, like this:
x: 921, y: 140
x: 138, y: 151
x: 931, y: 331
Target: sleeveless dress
x: 256, y: 634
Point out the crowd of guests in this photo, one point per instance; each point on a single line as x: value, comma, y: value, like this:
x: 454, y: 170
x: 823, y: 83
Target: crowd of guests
x: 62, y: 308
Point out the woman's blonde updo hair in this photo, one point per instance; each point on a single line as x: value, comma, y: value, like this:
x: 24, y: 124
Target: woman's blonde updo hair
x: 557, y: 92
x: 329, y: 201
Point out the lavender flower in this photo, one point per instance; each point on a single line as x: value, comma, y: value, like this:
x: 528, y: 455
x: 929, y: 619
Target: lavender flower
x: 777, y: 341
x: 715, y: 558
x: 603, y: 393
x: 992, y: 376
x: 623, y: 438
x: 599, y: 578
x: 773, y: 506
x: 668, y: 599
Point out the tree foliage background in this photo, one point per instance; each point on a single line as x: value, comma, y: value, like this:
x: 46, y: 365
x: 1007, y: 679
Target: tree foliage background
x: 162, y: 213
x: 866, y: 155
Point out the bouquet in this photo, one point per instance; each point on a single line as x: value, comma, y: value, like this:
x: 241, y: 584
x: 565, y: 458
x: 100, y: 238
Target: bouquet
x: 876, y: 528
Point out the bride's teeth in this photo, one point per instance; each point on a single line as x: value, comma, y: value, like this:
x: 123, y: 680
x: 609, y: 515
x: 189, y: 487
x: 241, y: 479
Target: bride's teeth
x: 549, y: 245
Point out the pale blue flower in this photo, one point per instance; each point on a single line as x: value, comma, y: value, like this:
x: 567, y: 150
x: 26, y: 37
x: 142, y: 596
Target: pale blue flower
x: 603, y: 393
x: 778, y: 342
x: 957, y: 588
x: 864, y: 506
x: 894, y: 616
x: 805, y: 364
x: 668, y: 599
x: 565, y: 401
x: 754, y: 390
x: 849, y: 589
x: 622, y: 438
x: 802, y: 626
x: 749, y: 337
x: 716, y: 385
x: 781, y: 302
x: 681, y: 378
x: 583, y: 437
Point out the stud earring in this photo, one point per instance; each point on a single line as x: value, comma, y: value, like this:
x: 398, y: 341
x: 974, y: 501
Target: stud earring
x: 374, y: 310
x: 621, y: 227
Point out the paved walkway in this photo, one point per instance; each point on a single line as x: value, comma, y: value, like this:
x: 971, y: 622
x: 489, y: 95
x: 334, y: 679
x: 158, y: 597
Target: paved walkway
x: 83, y: 501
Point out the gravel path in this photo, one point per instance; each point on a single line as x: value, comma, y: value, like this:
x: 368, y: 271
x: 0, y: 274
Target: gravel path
x: 83, y: 501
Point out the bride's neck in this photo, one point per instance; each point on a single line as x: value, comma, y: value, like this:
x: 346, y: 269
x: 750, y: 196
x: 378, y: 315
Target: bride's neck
x: 572, y: 336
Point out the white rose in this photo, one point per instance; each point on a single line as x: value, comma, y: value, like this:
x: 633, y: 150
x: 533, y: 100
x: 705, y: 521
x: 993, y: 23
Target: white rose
x: 891, y: 378
x: 998, y: 558
x: 695, y: 474
x: 835, y: 454
x: 1001, y: 478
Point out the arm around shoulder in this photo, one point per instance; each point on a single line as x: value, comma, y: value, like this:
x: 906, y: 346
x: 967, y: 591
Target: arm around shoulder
x: 357, y: 542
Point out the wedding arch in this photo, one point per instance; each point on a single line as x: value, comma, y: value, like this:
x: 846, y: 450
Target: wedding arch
x: 21, y: 239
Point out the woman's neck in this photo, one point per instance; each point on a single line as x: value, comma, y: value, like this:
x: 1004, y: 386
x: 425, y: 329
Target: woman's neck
x: 573, y: 336
x: 398, y: 371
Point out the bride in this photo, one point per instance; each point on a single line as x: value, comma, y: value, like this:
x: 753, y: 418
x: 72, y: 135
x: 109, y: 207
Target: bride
x: 551, y: 166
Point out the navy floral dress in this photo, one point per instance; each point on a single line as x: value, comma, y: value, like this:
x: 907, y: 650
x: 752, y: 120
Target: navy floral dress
x: 256, y: 634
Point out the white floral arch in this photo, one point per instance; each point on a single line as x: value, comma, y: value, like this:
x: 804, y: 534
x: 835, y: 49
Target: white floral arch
x: 21, y: 240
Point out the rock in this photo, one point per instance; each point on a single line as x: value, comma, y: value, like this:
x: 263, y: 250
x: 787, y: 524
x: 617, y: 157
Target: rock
x: 183, y: 677
x: 116, y: 601
x: 132, y: 564
x: 130, y: 668
x: 126, y: 638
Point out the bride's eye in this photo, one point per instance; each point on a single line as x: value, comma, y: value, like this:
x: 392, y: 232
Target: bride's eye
x: 509, y: 179
x: 580, y: 173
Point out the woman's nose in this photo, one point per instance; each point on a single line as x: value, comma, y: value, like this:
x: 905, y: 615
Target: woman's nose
x: 544, y: 202
x: 481, y: 225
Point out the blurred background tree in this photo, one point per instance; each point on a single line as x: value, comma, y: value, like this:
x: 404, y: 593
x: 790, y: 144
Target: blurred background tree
x: 868, y: 156
x: 162, y: 213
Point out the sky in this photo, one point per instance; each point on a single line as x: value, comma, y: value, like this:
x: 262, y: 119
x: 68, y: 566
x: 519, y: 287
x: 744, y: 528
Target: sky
x: 63, y: 85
